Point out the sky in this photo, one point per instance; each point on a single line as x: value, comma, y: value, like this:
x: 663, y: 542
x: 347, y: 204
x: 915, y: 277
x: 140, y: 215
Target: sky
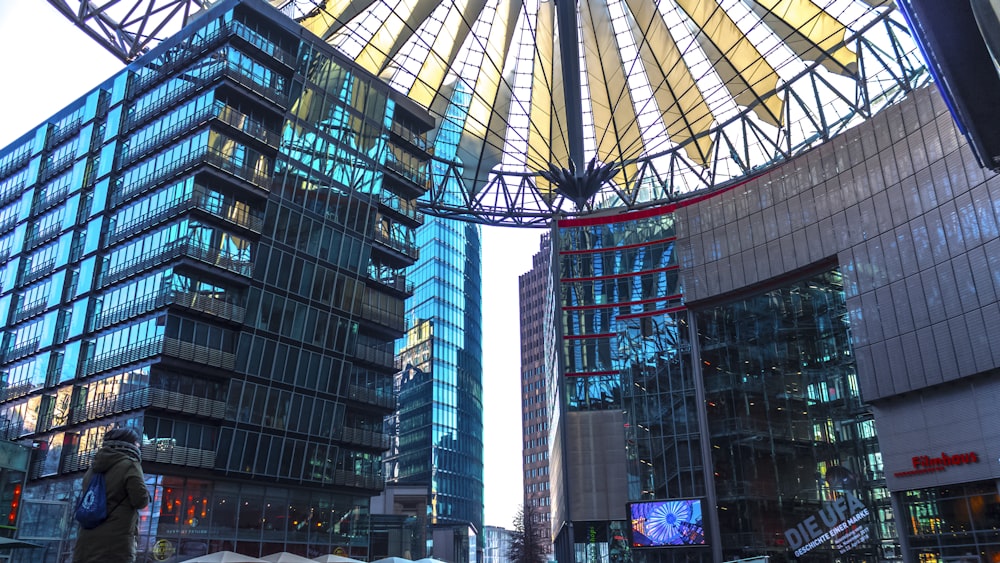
x: 46, y: 63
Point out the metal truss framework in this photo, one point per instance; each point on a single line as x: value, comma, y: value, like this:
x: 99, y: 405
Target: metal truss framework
x: 129, y: 28
x: 741, y: 146
x: 815, y: 109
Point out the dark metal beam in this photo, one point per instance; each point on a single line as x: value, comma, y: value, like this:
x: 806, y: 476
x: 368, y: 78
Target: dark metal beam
x: 129, y: 28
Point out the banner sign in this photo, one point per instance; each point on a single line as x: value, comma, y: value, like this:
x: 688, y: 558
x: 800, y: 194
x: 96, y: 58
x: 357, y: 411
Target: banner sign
x: 839, y: 522
x: 927, y: 464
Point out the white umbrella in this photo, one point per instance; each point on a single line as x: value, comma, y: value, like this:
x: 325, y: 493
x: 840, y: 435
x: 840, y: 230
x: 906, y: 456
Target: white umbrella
x: 331, y: 558
x: 10, y: 543
x: 225, y: 557
x: 393, y: 560
x: 428, y: 560
x: 286, y: 557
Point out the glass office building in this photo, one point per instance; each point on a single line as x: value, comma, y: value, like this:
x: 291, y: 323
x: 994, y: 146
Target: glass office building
x: 801, y: 366
x: 439, y: 423
x: 211, y: 247
x: 782, y: 433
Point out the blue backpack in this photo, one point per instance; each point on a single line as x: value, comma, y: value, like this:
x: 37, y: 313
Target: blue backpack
x: 93, y: 507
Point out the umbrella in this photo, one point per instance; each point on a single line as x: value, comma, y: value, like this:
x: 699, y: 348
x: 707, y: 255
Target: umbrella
x: 10, y: 543
x: 331, y: 558
x: 428, y: 560
x: 393, y: 560
x: 225, y: 557
x: 286, y: 557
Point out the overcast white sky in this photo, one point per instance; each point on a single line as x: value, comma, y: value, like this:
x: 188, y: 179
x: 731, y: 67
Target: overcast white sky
x: 46, y: 63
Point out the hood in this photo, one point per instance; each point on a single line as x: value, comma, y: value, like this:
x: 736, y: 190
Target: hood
x: 106, y: 458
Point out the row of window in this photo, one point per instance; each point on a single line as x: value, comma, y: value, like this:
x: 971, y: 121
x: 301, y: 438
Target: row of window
x: 532, y: 400
x: 289, y: 458
x: 537, y: 471
x: 537, y: 487
x: 290, y: 364
x: 530, y: 429
x: 279, y: 409
x: 303, y: 323
x: 536, y: 443
x: 230, y: 512
x: 310, y: 281
x: 315, y: 238
x: 535, y: 413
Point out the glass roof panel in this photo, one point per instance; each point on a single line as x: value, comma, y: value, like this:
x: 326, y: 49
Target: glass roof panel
x: 678, y: 95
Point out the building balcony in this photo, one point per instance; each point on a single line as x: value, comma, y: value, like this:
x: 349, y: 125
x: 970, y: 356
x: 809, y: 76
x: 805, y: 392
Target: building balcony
x: 179, y: 58
x: 49, y: 199
x: 403, y: 135
x: 13, y: 192
x: 63, y: 131
x: 371, y: 397
x: 176, y: 250
x: 149, y: 398
x: 409, y: 182
x: 199, y: 354
x: 216, y: 111
x: 246, y: 175
x: 399, y: 208
x: 361, y: 437
x: 151, y: 452
x: 262, y: 44
x: 38, y: 271
x: 391, y: 321
x: 41, y: 236
x: 197, y: 200
x: 370, y: 481
x: 53, y: 166
x: 156, y: 346
x: 178, y: 455
x: 17, y: 161
x: 216, y: 72
x: 193, y: 301
x: 149, y: 348
x: 394, y: 282
x: 30, y: 310
x: 209, y: 306
x: 21, y: 350
x: 195, y: 50
x: 381, y: 356
x: 18, y: 390
x: 408, y: 249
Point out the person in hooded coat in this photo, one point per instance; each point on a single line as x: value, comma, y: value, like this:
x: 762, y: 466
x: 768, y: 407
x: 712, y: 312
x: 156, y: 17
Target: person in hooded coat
x: 114, y: 540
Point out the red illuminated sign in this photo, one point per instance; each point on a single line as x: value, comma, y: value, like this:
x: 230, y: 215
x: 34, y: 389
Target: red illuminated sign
x: 926, y: 464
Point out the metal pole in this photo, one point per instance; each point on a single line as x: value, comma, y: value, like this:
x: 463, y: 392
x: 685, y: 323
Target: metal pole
x: 569, y: 53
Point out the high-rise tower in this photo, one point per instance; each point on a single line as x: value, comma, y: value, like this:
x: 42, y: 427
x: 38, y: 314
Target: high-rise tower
x: 534, y: 295
x: 439, y: 423
x: 211, y: 247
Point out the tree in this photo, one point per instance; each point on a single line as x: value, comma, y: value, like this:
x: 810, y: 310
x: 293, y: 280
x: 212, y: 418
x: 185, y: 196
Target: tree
x: 529, y: 542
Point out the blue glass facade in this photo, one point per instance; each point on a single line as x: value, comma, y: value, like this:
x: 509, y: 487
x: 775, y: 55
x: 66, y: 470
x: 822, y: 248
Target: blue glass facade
x: 440, y: 418
x: 211, y: 247
x: 621, y: 319
x: 782, y: 433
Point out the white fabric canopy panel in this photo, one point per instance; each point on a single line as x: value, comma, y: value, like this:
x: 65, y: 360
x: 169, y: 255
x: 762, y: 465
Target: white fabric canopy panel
x: 655, y: 75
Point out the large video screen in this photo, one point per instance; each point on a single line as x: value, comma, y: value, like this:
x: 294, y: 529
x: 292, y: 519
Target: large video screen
x: 662, y: 523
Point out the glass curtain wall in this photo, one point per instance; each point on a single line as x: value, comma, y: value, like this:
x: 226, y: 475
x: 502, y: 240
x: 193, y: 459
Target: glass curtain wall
x: 798, y: 474
x: 624, y: 350
x: 210, y: 248
x: 448, y: 293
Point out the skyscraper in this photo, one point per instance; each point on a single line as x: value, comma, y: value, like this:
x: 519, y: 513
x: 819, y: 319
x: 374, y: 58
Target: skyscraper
x: 535, y: 298
x: 211, y: 247
x: 439, y: 423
